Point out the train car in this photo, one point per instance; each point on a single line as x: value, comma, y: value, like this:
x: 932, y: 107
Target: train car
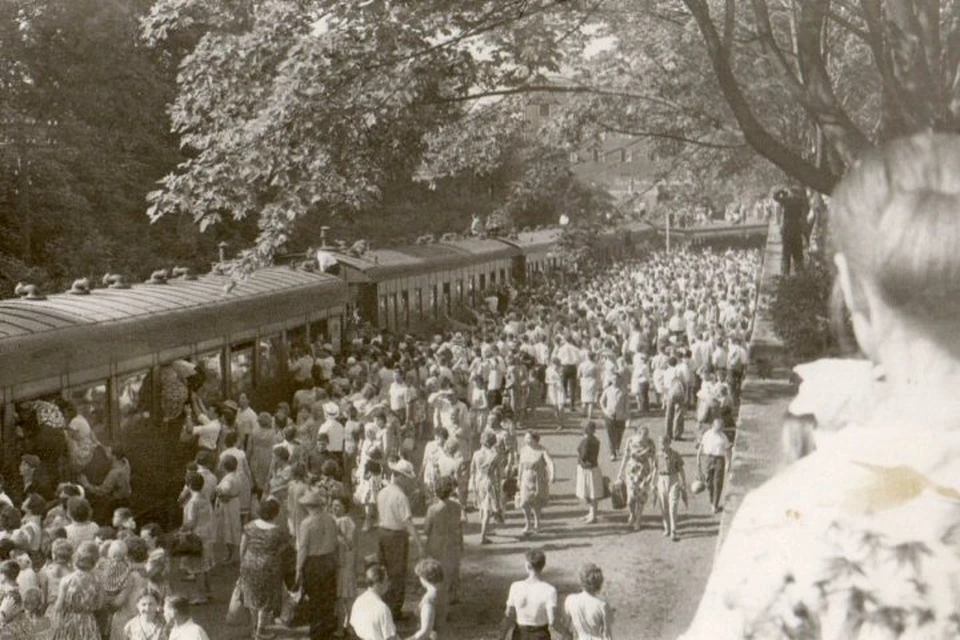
x: 117, y: 354
x: 539, y: 254
x: 718, y: 235
x: 396, y: 289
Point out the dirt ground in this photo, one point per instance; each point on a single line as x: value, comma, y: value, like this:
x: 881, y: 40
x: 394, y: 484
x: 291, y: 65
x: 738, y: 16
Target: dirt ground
x: 652, y: 583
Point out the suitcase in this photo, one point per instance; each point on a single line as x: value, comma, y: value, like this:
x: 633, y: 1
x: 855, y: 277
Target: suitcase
x: 618, y: 494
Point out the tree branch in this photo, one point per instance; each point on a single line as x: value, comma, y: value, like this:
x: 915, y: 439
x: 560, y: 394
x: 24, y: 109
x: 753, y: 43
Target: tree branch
x: 755, y: 134
x: 667, y: 136
x: 821, y: 101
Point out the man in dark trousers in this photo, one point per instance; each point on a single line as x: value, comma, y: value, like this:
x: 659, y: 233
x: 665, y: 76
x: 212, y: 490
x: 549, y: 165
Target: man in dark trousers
x: 792, y: 228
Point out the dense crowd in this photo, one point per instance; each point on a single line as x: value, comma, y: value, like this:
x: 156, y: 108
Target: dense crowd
x: 383, y: 428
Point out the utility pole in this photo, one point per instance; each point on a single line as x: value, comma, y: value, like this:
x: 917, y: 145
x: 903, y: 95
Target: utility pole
x: 668, y: 231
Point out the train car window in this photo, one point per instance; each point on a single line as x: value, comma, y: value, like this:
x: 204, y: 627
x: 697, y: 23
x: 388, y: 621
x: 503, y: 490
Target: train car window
x: 319, y: 333
x: 272, y: 356
x: 405, y: 307
x: 241, y: 369
x: 459, y: 291
x: 503, y: 275
x: 134, y: 401
x: 212, y: 390
x: 493, y: 277
x: 382, y: 319
x: 297, y: 337
x: 419, y: 303
x: 92, y: 403
x: 446, y: 297
x: 434, y: 301
x: 483, y: 283
x: 394, y: 310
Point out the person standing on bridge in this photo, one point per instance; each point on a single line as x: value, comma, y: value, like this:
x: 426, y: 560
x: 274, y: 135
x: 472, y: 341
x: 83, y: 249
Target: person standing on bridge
x: 792, y: 228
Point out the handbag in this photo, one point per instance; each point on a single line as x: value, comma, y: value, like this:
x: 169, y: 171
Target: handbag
x: 618, y: 494
x: 186, y: 544
x: 237, y: 614
x: 295, y: 611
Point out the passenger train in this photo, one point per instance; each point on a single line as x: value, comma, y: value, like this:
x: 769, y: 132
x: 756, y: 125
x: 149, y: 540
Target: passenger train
x: 118, y: 353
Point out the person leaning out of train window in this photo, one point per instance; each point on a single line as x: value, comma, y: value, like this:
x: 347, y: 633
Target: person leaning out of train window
x: 114, y: 492
x: 205, y: 426
x: 81, y: 440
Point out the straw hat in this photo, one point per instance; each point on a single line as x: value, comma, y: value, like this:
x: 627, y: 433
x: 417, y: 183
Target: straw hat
x: 404, y: 468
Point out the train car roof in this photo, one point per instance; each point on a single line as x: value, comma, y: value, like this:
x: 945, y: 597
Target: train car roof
x: 70, y: 332
x: 417, y: 259
x: 541, y: 239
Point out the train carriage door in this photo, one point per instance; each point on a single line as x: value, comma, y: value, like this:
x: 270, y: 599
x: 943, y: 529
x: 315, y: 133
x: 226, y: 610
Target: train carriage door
x: 383, y: 312
x: 404, y: 308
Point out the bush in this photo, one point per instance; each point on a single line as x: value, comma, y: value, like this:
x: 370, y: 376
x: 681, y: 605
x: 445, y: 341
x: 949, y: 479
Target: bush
x: 801, y: 312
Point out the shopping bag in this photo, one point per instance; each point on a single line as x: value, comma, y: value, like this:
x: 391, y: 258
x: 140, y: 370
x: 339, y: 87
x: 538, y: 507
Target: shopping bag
x: 237, y: 613
x: 618, y: 494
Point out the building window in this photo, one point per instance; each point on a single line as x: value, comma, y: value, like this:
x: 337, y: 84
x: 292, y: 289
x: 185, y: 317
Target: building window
x: 545, y: 111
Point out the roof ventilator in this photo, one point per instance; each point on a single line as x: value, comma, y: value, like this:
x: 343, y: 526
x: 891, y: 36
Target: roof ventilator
x: 28, y: 292
x: 80, y: 287
x: 184, y: 273
x: 115, y: 281
x: 159, y: 276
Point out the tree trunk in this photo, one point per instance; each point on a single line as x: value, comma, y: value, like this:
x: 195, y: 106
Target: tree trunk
x: 756, y: 135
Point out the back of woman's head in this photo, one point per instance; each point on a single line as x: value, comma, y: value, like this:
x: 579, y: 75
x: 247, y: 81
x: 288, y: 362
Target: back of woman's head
x: 896, y: 219
x: 85, y: 559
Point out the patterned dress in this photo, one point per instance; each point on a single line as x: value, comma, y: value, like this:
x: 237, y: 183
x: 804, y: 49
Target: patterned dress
x: 534, y: 480
x: 486, y: 479
x: 640, y: 470
x: 79, y: 599
x: 261, y: 568
x: 198, y: 518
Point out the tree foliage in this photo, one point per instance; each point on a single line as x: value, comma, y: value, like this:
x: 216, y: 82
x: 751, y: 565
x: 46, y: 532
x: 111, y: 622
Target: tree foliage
x: 84, y: 135
x: 293, y: 107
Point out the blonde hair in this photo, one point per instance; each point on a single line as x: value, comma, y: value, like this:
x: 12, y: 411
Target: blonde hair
x: 896, y: 219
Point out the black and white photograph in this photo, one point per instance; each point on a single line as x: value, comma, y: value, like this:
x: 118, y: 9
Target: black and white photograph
x: 479, y: 319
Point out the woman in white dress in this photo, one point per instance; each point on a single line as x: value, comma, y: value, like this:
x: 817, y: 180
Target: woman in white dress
x: 587, y: 375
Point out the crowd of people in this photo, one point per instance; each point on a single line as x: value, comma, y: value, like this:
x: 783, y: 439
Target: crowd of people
x: 388, y: 426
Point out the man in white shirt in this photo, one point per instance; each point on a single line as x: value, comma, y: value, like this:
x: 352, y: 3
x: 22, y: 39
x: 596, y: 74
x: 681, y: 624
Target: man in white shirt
x: 370, y: 616
x: 208, y: 429
x: 715, y: 446
x: 246, y: 420
x: 533, y: 602
x: 334, y: 430
x: 176, y: 609
x: 396, y: 529
x: 569, y: 357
